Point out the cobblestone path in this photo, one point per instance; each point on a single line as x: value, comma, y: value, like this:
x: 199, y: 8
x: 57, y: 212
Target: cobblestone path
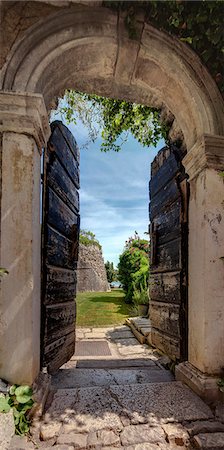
x: 115, y: 394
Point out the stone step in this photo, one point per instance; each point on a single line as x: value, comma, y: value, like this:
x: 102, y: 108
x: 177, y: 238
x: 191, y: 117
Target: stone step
x: 115, y: 363
x: 117, y: 407
x: 71, y: 378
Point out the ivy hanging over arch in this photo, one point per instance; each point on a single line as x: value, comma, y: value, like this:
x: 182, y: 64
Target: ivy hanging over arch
x: 197, y: 23
x: 113, y: 120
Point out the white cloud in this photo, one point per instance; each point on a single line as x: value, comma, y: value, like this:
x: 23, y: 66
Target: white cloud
x: 114, y: 192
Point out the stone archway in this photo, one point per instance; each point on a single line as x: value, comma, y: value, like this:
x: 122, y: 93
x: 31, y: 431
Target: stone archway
x: 87, y: 48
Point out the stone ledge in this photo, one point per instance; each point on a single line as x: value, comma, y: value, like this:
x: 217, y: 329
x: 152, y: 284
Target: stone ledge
x: 25, y: 113
x: 206, y: 153
x: 203, y: 385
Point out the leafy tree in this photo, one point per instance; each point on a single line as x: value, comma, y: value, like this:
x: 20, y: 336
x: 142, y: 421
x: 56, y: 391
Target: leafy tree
x: 133, y: 266
x: 114, y: 119
x: 88, y: 238
x: 111, y: 271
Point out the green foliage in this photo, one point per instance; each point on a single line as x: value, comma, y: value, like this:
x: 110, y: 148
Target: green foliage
x: 114, y: 118
x: 20, y: 400
x: 111, y: 271
x: 197, y: 23
x: 88, y: 238
x: 140, y: 296
x: 133, y: 266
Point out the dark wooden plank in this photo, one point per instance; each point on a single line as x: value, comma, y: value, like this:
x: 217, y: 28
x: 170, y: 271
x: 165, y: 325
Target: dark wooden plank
x: 165, y: 287
x: 60, y: 216
x: 59, y: 181
x: 165, y: 317
x: 168, y: 257
x: 59, y: 147
x: 68, y: 136
x: 63, y: 351
x: 160, y: 159
x: 60, y: 320
x: 165, y: 197
x: 167, y: 223
x: 60, y: 285
x: 59, y: 250
x: 164, y: 175
x: 61, y: 228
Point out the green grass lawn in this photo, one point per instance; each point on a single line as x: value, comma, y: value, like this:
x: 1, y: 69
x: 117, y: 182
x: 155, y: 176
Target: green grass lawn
x: 96, y: 309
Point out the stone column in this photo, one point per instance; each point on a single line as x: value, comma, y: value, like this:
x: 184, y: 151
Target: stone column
x: 24, y: 130
x: 204, y: 164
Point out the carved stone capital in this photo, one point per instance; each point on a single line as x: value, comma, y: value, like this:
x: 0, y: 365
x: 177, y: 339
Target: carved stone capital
x: 25, y: 113
x: 206, y: 153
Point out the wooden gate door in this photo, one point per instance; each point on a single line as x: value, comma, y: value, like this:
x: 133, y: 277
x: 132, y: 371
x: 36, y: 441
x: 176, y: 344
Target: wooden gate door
x: 169, y: 253
x: 60, y: 247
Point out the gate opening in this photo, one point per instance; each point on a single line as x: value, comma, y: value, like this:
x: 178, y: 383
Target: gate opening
x: 168, y: 214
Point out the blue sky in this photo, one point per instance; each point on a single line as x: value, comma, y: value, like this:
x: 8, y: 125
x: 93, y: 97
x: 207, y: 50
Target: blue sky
x: 114, y: 193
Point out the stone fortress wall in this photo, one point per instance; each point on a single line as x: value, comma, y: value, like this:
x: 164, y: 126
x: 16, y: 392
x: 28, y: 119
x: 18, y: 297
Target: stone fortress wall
x: 91, y: 272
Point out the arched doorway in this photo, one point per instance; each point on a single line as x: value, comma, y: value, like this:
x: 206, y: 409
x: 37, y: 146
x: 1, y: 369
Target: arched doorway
x: 87, y: 48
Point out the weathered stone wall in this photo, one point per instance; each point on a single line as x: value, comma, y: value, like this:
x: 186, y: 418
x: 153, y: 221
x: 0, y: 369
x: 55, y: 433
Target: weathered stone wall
x: 91, y: 273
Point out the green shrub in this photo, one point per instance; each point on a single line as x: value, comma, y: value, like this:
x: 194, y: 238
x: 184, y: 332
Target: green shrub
x: 19, y: 399
x: 133, y: 266
x: 140, y: 295
x: 88, y: 238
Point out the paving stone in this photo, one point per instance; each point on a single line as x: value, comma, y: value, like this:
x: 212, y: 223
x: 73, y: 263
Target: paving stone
x: 94, y: 335
x: 78, y: 440
x: 176, y: 434
x: 167, y: 402
x: 84, y: 329
x: 104, y: 329
x: 140, y: 322
x: 111, y: 448
x: 207, y: 441
x: 7, y: 429
x: 125, y: 420
x: 73, y: 378
x: 117, y: 335
x: 117, y: 363
x: 85, y: 409
x: 108, y: 437
x: 129, y: 341
x: 20, y: 443
x: 147, y: 446
x: 121, y: 328
x: 137, y: 434
x: 50, y: 430
x: 59, y: 447
x: 93, y: 439
x: 70, y: 378
x: 203, y: 426
x: 131, y: 349
x: 79, y: 335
